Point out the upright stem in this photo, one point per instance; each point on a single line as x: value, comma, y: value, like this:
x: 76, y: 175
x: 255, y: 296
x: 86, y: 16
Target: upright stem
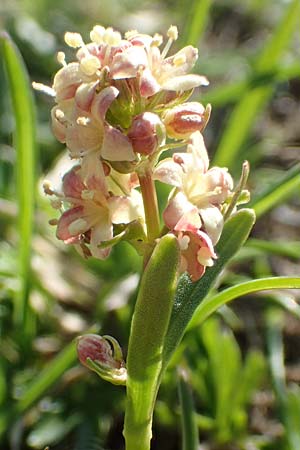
x: 145, y: 350
x: 150, y: 204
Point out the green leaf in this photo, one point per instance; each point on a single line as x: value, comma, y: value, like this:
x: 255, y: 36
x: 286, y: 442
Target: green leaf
x: 211, y: 304
x: 197, y: 24
x: 277, y: 192
x: 189, y: 295
x: 24, y: 137
x: 190, y: 439
x: 145, y: 351
x: 246, y: 111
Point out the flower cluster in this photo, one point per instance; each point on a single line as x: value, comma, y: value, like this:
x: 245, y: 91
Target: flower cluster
x: 119, y: 106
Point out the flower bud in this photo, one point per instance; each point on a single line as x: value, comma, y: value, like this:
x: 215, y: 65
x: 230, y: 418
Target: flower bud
x: 103, y: 355
x: 146, y: 133
x: 183, y: 120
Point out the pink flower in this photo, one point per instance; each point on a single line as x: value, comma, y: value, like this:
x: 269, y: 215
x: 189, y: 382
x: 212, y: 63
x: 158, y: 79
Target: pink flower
x: 86, y: 132
x: 94, y: 211
x: 199, y: 189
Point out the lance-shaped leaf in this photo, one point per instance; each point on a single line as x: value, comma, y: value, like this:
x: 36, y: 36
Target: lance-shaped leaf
x: 189, y: 295
x: 24, y: 141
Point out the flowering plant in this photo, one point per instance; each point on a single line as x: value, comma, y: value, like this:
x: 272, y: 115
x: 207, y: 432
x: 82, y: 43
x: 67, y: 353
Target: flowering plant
x: 122, y: 110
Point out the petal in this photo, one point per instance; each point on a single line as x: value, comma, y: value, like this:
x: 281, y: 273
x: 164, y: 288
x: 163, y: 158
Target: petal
x: 68, y: 217
x: 116, y: 146
x: 72, y: 183
x: 213, y: 222
x: 125, y: 209
x: 102, y: 102
x: 197, y: 147
x: 169, y: 172
x: 127, y: 63
x: 148, y: 84
x: 179, y: 209
x: 184, y: 82
x: 85, y: 95
x: 103, y: 231
x: 66, y: 81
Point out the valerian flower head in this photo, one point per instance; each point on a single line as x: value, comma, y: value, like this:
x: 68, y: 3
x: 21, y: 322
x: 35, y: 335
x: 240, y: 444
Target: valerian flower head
x: 119, y: 104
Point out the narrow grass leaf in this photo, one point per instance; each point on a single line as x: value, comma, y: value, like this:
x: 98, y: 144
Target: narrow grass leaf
x: 199, y: 19
x: 211, y: 304
x: 24, y: 137
x: 190, y: 439
x: 253, y: 101
x: 277, y: 192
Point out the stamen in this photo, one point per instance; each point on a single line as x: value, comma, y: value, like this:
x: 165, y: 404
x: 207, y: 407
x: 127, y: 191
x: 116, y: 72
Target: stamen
x: 97, y: 34
x: 61, y: 58
x: 157, y: 40
x: 53, y: 222
x: 184, y: 242
x: 56, y: 203
x: 172, y: 32
x: 172, y: 35
x: 43, y: 88
x: 47, y: 187
x: 112, y: 37
x: 90, y: 64
x: 84, y: 121
x: 73, y: 40
x: 131, y: 33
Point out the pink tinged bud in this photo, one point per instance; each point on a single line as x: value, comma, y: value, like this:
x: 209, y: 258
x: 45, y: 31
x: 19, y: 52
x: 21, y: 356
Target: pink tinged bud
x: 146, y: 133
x: 103, y: 355
x: 183, y: 120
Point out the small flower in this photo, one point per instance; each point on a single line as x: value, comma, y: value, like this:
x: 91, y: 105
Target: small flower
x: 86, y: 132
x: 198, y: 187
x: 94, y: 210
x: 103, y: 355
x: 147, y: 133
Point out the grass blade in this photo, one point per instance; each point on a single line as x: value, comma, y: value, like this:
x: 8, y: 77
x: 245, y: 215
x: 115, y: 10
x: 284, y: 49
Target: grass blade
x: 246, y: 111
x: 277, y: 192
x: 190, y: 440
x: 211, y: 304
x: 24, y: 137
x: 197, y: 25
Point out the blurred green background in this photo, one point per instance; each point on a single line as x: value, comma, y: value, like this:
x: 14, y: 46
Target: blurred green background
x: 243, y: 365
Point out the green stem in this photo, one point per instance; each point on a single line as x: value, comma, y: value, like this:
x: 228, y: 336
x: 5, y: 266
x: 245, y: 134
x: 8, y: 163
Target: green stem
x: 150, y: 204
x: 145, y: 351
